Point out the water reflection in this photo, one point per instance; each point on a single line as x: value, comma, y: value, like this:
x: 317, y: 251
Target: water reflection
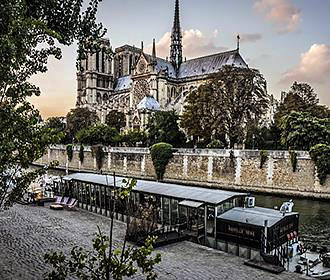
x: 314, y: 217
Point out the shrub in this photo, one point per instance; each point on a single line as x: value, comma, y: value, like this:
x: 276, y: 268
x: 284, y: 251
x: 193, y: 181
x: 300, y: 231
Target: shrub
x: 81, y: 153
x: 161, y: 154
x: 293, y: 159
x: 232, y: 158
x: 215, y: 144
x: 69, y: 151
x: 320, y: 154
x: 132, y: 137
x: 263, y: 158
x: 98, y: 153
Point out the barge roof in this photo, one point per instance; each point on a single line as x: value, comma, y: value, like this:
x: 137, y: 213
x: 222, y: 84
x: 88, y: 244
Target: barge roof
x: 255, y: 216
x: 205, y: 195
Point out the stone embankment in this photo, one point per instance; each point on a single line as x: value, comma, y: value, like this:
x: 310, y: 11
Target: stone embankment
x: 234, y: 170
x: 28, y: 232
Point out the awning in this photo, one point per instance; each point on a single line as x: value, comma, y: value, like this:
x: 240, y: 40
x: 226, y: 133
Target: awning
x: 191, y: 204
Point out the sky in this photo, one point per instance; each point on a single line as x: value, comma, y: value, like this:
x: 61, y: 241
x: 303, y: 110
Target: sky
x: 287, y: 40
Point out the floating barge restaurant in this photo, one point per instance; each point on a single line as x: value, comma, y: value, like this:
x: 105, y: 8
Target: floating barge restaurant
x: 225, y: 220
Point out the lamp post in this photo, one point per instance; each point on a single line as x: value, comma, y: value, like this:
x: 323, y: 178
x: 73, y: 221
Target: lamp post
x: 253, y: 138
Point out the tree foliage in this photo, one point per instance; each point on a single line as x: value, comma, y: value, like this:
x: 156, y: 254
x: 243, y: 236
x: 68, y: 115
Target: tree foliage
x: 30, y: 33
x: 161, y: 154
x: 320, y: 154
x: 301, y: 98
x: 116, y: 119
x: 164, y: 127
x: 78, y: 119
x: 97, y: 134
x: 302, y: 131
x: 56, y: 123
x: 232, y: 98
x: 263, y: 137
x: 132, y: 137
x: 106, y: 261
x: 215, y: 144
x: 22, y: 140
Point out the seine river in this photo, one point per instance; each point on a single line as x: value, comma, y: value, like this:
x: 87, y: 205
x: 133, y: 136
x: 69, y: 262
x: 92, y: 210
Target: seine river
x: 314, y: 215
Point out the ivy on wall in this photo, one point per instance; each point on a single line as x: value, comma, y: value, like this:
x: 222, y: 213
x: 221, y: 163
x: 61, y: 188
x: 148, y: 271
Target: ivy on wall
x: 320, y: 154
x: 161, y: 154
x: 81, y: 153
x: 69, y: 151
x: 98, y: 154
x: 263, y: 158
x: 293, y: 160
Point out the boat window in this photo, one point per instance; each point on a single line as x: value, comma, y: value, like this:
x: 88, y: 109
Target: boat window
x: 166, y: 209
x: 210, y: 221
x: 174, y: 212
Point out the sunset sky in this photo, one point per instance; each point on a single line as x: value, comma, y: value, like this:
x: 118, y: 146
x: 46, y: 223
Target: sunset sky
x: 286, y: 40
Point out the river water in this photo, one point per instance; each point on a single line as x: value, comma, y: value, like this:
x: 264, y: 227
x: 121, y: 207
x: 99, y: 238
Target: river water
x: 314, y: 215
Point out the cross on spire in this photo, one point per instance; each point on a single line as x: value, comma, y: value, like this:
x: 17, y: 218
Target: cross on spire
x: 238, y: 41
x: 176, y: 39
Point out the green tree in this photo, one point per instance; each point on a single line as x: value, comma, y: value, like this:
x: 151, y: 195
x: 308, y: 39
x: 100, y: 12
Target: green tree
x: 78, y: 119
x: 116, y: 119
x: 301, y: 98
x: 263, y: 137
x: 132, y: 137
x: 231, y: 98
x: 161, y: 153
x: 105, y: 261
x: 97, y: 134
x: 164, y: 127
x: 30, y: 33
x: 302, y: 131
x: 56, y: 123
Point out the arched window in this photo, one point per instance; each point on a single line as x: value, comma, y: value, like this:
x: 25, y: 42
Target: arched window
x: 173, y: 92
x: 98, y: 98
x: 105, y: 98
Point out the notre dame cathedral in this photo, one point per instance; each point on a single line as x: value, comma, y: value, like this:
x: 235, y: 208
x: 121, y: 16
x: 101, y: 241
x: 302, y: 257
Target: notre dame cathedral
x: 137, y: 83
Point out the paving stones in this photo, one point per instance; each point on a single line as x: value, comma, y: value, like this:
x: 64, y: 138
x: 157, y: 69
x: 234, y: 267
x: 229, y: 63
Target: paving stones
x: 28, y: 232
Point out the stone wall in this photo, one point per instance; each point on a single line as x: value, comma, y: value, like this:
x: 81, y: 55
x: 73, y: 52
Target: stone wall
x: 236, y: 170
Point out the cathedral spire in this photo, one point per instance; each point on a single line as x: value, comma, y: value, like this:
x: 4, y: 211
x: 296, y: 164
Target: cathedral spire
x: 154, y: 49
x: 238, y: 41
x: 176, y: 39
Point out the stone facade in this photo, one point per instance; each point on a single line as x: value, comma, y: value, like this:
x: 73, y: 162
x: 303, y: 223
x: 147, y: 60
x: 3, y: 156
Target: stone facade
x: 233, y: 170
x: 119, y: 80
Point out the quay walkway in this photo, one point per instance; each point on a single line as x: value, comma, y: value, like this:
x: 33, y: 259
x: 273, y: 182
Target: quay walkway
x: 28, y: 232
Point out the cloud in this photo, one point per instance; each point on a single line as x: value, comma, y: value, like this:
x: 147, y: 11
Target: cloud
x: 314, y: 66
x: 250, y: 37
x: 195, y: 44
x: 281, y: 12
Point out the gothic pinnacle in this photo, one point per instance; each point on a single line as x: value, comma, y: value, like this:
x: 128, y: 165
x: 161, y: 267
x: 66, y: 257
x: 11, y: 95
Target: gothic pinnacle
x: 176, y: 39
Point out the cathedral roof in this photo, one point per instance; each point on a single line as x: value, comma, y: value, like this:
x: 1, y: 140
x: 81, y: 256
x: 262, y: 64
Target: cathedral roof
x: 123, y: 83
x: 210, y: 64
x: 200, y: 66
x: 148, y: 103
x: 162, y: 64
